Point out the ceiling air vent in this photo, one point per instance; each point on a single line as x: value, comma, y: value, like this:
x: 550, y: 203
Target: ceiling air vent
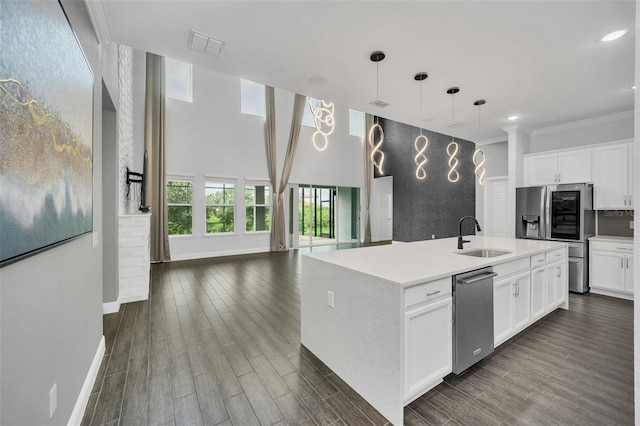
x: 378, y: 103
x: 456, y: 125
x: 206, y: 44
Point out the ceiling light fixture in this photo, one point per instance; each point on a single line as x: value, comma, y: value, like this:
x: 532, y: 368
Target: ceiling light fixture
x: 375, y: 146
x: 614, y: 35
x: 421, y: 141
x: 323, y: 122
x: 452, y: 148
x: 479, y: 157
x: 513, y: 117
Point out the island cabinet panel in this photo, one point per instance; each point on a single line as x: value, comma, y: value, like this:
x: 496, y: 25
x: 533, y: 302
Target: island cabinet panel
x: 538, y: 292
x: 428, y: 346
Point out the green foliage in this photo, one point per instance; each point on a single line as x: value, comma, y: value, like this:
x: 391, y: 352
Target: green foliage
x: 180, y: 217
x: 220, y: 200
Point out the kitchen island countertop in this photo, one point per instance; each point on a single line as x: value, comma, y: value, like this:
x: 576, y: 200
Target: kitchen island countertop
x: 416, y: 262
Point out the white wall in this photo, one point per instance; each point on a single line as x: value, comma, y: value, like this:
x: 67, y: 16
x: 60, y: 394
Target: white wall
x: 51, y: 303
x: 586, y: 132
x: 211, y: 137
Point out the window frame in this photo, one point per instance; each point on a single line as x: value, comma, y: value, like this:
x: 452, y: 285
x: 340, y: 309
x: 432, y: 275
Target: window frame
x: 268, y: 205
x: 182, y: 178
x: 253, y: 110
x: 224, y: 181
x: 188, y: 83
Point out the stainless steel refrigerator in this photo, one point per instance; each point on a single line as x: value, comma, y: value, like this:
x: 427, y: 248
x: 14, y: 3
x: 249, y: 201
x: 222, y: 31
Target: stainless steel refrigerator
x: 560, y: 213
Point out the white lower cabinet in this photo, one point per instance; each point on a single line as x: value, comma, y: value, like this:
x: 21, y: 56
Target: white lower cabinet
x: 611, y: 268
x: 427, y: 346
x: 556, y: 279
x: 511, y: 306
x: 538, y: 293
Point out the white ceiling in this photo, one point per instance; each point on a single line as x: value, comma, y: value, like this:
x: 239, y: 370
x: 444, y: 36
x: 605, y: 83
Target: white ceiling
x: 540, y: 59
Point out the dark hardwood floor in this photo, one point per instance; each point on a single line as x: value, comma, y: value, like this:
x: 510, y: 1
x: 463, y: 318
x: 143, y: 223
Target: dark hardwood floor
x: 218, y: 343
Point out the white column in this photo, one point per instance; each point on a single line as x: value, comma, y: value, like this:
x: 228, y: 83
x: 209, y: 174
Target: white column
x: 517, y: 146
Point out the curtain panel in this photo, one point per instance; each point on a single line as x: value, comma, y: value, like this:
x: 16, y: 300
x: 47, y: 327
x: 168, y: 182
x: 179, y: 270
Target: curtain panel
x: 154, y: 144
x: 278, y: 240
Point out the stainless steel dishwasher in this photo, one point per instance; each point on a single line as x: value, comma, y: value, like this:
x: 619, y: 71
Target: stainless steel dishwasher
x: 472, y: 317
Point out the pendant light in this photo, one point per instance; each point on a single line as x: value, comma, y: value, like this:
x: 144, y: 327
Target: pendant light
x: 452, y: 148
x: 479, y: 156
x: 323, y: 122
x: 421, y: 141
x: 376, y: 127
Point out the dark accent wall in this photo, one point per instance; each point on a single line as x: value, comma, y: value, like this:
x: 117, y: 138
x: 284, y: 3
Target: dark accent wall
x: 432, y: 206
x: 615, y: 223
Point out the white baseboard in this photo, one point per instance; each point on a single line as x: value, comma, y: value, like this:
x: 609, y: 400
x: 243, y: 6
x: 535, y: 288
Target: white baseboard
x: 192, y: 256
x: 85, y: 392
x: 133, y: 298
x: 110, y: 307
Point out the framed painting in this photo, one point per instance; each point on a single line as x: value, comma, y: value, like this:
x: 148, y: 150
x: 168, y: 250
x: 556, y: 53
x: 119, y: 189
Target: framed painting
x: 46, y: 131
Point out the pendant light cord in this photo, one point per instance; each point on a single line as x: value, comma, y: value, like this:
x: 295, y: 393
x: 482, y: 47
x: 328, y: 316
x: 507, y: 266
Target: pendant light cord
x: 421, y: 113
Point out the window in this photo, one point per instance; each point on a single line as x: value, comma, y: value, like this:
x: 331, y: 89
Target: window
x: 180, y: 207
x: 257, y: 199
x: 220, y: 207
x: 252, y: 98
x: 178, y: 80
x: 356, y: 123
x: 307, y: 116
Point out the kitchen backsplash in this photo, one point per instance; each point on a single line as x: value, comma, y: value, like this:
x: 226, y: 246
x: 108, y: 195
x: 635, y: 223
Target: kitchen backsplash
x: 615, y: 222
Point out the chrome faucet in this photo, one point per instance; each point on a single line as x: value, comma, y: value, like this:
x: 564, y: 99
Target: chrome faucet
x: 460, y: 240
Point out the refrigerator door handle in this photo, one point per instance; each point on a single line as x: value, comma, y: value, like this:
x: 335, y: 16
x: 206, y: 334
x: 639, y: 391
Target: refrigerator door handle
x: 547, y: 212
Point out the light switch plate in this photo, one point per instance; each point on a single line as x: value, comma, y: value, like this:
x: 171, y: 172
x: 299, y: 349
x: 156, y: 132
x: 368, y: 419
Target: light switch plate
x: 330, y: 299
x: 94, y: 240
x: 630, y: 224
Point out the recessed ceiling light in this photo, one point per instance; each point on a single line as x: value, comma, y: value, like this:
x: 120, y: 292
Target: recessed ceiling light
x: 614, y: 35
x: 513, y: 117
x: 633, y: 87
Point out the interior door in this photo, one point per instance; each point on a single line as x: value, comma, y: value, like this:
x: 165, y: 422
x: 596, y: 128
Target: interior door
x: 495, y: 200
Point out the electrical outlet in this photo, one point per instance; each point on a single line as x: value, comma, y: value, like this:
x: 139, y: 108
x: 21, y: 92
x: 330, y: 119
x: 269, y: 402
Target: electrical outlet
x: 433, y: 236
x: 630, y: 224
x: 53, y: 399
x: 330, y: 299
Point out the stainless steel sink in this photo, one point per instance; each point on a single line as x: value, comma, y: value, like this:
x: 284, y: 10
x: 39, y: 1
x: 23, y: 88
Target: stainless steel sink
x: 484, y: 253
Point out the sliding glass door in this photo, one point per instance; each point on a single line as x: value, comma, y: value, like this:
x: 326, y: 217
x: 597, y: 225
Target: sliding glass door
x: 323, y: 215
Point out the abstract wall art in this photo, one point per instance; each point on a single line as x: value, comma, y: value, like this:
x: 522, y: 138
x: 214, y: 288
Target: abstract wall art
x: 46, y: 131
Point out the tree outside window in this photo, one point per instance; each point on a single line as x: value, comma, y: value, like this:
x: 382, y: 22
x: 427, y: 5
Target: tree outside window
x: 220, y: 207
x: 257, y: 199
x: 180, y: 207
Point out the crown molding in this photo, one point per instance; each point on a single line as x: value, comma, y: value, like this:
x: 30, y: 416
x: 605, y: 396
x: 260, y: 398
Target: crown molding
x: 98, y: 17
x: 583, y: 123
x: 490, y: 141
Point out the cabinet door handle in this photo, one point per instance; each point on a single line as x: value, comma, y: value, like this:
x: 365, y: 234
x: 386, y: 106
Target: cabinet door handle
x: 433, y: 293
x: 518, y: 287
x: 627, y: 263
x: 629, y: 200
x: 625, y: 200
x: 622, y: 262
x: 558, y: 271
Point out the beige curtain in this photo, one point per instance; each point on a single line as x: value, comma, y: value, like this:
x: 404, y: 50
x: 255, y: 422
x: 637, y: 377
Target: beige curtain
x: 368, y: 176
x: 155, y: 173
x: 278, y: 234
x: 270, y: 140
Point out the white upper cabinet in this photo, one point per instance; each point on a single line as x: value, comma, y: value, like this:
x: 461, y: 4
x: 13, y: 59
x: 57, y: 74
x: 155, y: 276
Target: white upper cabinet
x: 540, y: 169
x: 613, y: 177
x: 560, y: 167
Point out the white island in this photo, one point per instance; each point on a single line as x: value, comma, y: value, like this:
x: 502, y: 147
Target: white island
x: 380, y: 317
